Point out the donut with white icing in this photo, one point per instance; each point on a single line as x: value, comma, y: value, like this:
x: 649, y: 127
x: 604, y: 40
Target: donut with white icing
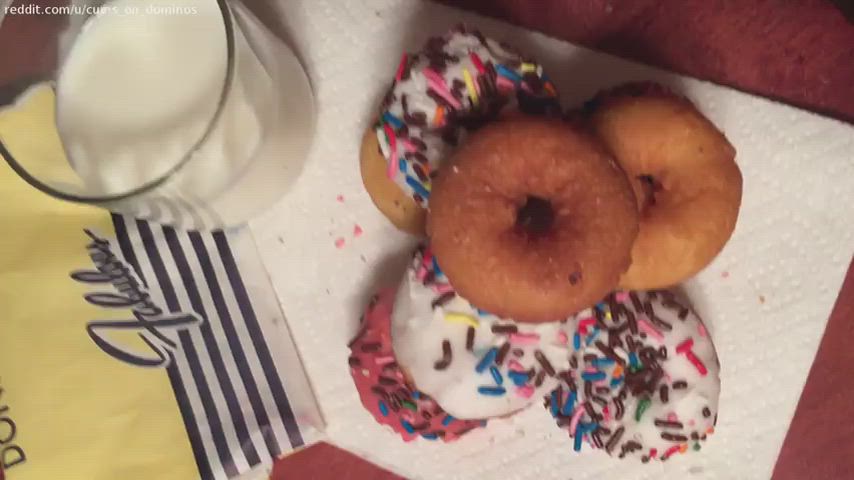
x: 385, y: 390
x: 456, y: 83
x: 644, y: 379
x: 474, y: 364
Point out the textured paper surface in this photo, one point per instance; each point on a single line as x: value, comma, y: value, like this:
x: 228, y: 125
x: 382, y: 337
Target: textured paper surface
x: 783, y: 267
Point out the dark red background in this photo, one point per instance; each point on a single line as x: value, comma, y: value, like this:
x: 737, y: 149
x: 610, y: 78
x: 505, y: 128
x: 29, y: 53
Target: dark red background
x: 797, y: 51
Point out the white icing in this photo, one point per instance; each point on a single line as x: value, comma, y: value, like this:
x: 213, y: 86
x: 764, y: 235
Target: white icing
x: 458, y: 45
x: 418, y: 331
x: 683, y: 405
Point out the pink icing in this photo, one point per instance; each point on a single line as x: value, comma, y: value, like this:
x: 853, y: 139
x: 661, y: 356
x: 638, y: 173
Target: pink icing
x: 371, y: 358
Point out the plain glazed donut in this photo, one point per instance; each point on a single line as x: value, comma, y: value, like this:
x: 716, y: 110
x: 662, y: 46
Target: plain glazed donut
x: 455, y: 84
x: 532, y: 220
x: 645, y: 378
x: 684, y: 176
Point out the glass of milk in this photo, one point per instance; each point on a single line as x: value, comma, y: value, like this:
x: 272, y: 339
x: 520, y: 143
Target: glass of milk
x: 184, y: 112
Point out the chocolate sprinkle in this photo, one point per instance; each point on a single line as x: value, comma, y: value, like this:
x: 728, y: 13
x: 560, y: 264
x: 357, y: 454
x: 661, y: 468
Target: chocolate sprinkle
x: 647, y: 309
x: 502, y: 353
x: 505, y: 328
x: 597, y: 440
x: 631, y: 446
x: 379, y: 391
x: 615, y: 439
x: 540, y: 377
x: 680, y: 384
x: 544, y: 362
x: 621, y: 409
x: 442, y: 299
x: 633, y: 323
x: 660, y: 323
x: 470, y: 339
x: 663, y: 393
x: 573, y: 362
x: 667, y: 424
x: 446, y: 356
x: 518, y: 352
x: 440, y: 100
x: 609, y: 352
x: 636, y: 301
x: 387, y: 380
x: 419, y: 144
x: 354, y: 362
x: 670, y: 437
x: 706, y: 412
x: 390, y: 367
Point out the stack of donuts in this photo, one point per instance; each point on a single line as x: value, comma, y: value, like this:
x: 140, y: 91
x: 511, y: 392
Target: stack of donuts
x: 553, y: 243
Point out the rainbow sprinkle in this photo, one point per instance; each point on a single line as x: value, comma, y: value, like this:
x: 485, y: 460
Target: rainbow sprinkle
x: 647, y: 328
x: 462, y: 318
x: 487, y: 360
x: 470, y: 86
x: 400, y: 67
x: 643, y: 405
x: 491, y: 391
x: 496, y: 375
x: 519, y: 338
x: 525, y: 391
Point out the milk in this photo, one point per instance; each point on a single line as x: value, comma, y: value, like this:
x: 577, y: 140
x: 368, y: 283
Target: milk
x: 138, y: 99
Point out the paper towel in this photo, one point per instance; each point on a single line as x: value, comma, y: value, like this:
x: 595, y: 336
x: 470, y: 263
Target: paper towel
x: 766, y: 298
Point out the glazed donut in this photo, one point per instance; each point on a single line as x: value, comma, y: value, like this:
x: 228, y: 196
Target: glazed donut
x: 455, y: 84
x: 384, y: 389
x: 683, y: 173
x: 532, y: 220
x: 472, y: 363
x: 645, y: 378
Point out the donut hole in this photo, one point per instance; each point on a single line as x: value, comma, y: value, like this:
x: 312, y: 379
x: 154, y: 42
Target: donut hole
x: 535, y: 218
x: 650, y: 187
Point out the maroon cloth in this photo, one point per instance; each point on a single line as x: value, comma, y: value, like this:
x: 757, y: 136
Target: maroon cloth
x: 797, y: 51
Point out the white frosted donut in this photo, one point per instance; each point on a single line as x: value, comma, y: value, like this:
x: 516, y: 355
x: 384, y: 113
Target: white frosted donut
x: 645, y: 378
x: 473, y: 364
x: 458, y: 82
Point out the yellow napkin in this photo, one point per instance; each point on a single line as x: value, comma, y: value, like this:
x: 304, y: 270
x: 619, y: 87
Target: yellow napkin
x: 67, y: 409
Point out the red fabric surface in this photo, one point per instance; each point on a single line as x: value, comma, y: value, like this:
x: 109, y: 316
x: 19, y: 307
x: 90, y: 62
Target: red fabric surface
x: 797, y: 51
x: 324, y: 461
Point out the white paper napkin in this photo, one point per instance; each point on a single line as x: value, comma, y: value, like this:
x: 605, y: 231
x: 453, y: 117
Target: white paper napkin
x: 766, y: 298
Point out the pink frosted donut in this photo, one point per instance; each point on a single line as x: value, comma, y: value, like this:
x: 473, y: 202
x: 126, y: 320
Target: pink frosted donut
x: 384, y: 389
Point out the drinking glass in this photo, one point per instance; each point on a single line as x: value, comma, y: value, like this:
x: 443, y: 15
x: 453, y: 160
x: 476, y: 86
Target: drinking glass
x: 184, y: 112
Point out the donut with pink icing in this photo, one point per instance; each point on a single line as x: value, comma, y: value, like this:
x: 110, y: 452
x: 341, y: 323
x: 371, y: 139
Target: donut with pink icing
x: 385, y: 390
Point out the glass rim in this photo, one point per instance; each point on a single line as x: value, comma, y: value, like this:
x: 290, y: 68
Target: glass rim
x: 23, y: 173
